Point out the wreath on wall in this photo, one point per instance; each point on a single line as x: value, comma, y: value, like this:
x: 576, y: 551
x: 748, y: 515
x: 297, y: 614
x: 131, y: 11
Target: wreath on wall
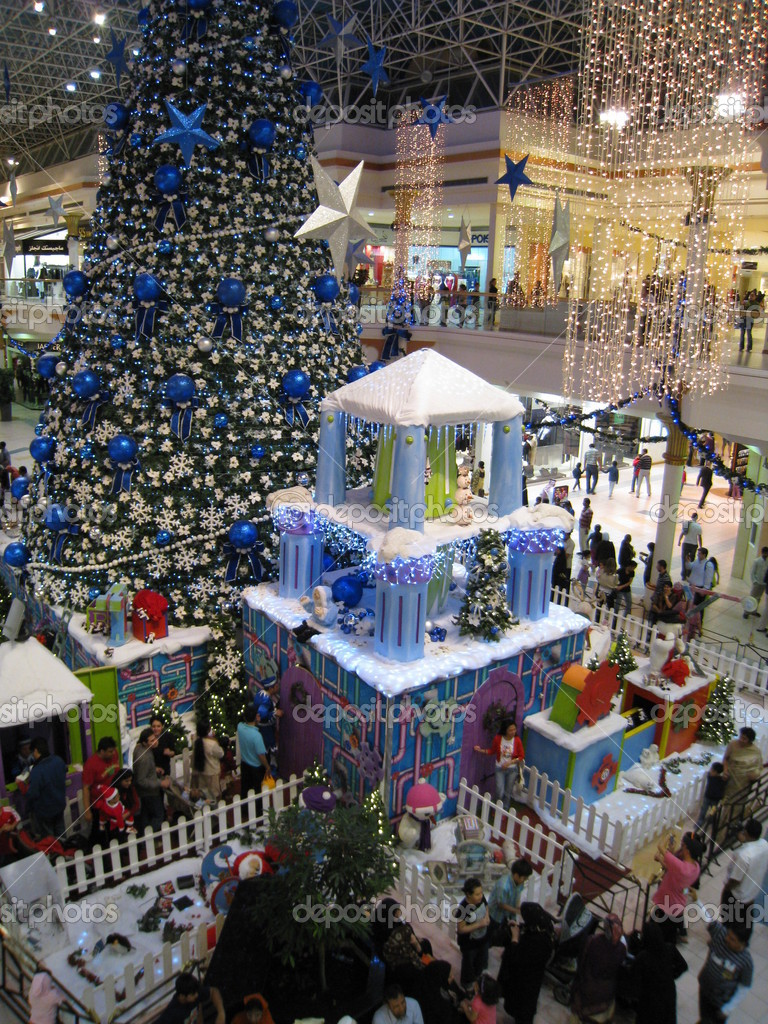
x: 494, y: 715
x: 298, y: 695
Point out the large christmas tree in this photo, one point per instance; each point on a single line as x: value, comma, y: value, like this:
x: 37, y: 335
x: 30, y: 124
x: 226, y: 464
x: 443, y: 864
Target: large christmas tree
x: 201, y: 334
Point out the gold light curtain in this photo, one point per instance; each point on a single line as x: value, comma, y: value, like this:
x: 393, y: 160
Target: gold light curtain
x: 665, y: 90
x: 419, y: 195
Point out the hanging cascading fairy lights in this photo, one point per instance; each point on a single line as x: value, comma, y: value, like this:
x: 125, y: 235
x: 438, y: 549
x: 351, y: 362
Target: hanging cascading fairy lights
x: 419, y: 195
x: 539, y: 122
x: 661, y: 170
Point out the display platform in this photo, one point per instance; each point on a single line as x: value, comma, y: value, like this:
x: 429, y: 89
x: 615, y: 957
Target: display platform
x: 675, y: 709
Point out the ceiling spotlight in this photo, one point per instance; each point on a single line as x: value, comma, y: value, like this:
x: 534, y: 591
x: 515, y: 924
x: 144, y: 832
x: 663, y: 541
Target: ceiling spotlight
x: 370, y: 213
x: 11, y: 161
x: 52, y: 30
x: 39, y: 6
x: 95, y: 74
x: 99, y: 18
x: 97, y: 39
x: 71, y: 86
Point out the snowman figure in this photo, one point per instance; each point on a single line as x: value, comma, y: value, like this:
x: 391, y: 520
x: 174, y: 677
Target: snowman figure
x: 460, y: 510
x: 421, y: 805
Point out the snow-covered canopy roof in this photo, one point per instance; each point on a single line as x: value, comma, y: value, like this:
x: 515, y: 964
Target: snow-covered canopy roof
x: 423, y: 389
x: 35, y: 684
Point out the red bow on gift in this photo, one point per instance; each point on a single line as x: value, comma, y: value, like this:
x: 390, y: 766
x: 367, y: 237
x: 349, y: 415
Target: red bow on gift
x: 677, y: 671
x: 149, y: 601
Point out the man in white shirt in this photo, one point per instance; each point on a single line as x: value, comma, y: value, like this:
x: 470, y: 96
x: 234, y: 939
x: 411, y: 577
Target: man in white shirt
x: 745, y: 874
x: 397, y: 1008
x: 702, y: 571
x: 757, y: 579
x: 690, y: 538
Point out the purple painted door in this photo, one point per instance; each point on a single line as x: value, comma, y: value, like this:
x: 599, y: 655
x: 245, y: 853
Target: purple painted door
x: 300, y: 737
x: 501, y: 687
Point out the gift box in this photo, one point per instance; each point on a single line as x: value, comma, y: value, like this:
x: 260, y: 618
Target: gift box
x: 150, y: 616
x: 108, y: 614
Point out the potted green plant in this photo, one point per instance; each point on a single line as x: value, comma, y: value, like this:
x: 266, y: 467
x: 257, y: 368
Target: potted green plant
x: 7, y: 395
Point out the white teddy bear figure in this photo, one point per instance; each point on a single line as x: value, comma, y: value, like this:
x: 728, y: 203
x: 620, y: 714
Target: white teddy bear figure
x: 460, y: 510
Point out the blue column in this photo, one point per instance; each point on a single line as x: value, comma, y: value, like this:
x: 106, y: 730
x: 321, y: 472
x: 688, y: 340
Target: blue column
x: 301, y: 563
x: 408, y: 499
x: 529, y: 584
x: 330, y: 486
x: 506, y: 489
x: 401, y: 614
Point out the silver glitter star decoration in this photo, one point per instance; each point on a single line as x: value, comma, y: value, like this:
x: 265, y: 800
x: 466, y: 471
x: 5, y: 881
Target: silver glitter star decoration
x: 465, y: 242
x: 336, y: 219
x: 9, y: 246
x: 13, y: 188
x: 560, y: 242
x: 56, y: 209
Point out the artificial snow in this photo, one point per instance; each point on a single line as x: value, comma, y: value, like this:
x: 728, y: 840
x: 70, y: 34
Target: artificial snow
x: 423, y: 389
x: 402, y: 543
x: 541, y: 517
x: 452, y: 657
x: 296, y: 497
x: 673, y: 693
x: 97, y: 644
x: 40, y: 684
x: 579, y: 740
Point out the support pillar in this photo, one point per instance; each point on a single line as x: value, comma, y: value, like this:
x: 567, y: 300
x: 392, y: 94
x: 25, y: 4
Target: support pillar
x: 73, y: 239
x: 505, y: 493
x: 669, y: 500
x: 496, y: 235
x: 410, y: 463
x: 330, y: 487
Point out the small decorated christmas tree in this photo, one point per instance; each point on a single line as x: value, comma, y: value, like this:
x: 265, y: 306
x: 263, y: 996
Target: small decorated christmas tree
x: 485, y: 613
x: 316, y: 775
x: 718, y: 723
x: 172, y: 722
x: 621, y: 656
x: 399, y: 315
x: 374, y: 805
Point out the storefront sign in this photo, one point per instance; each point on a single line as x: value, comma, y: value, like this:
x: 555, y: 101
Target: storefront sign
x: 44, y: 247
x: 479, y: 239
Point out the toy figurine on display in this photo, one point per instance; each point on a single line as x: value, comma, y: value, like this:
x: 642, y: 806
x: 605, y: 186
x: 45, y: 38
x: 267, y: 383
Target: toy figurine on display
x: 422, y: 804
x: 460, y: 510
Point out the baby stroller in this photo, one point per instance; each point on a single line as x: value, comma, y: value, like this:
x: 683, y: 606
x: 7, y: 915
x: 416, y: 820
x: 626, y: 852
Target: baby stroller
x: 577, y: 923
x: 183, y: 803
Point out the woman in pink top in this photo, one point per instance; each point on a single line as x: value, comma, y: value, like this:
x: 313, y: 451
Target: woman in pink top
x: 681, y: 872
x: 44, y: 999
x: 482, y: 1008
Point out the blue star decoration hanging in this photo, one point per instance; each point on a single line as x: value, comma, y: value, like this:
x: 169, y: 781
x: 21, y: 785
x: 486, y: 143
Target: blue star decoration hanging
x: 374, y: 66
x: 339, y: 36
x: 116, y: 57
x: 433, y: 115
x: 186, y: 131
x: 515, y: 176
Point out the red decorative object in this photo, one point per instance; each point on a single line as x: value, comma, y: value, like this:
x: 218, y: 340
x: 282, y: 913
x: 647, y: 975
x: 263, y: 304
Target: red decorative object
x: 604, y: 773
x: 150, y: 616
x: 676, y: 670
x: 600, y: 687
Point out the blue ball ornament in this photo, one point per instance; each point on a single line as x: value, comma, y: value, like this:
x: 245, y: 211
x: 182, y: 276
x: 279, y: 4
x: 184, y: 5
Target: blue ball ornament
x: 328, y: 561
x: 135, y: 140
x: 356, y: 373
x: 75, y: 284
x: 301, y: 151
x: 296, y: 384
x: 348, y: 590
x: 56, y: 518
x: 93, y: 593
x: 258, y: 451
x: 276, y: 302
x: 359, y: 328
x: 231, y: 292
x: 86, y: 384
x: 262, y: 133
x: 163, y: 539
x: 196, y: 5
x: 143, y: 17
x: 243, y: 534
x: 249, y: 42
x: 220, y: 420
x: 116, y: 116
x: 146, y: 288
x: 19, y: 487
x: 42, y: 448
x: 180, y: 388
x: 39, y: 428
x: 122, y: 449
x: 326, y: 288
x: 165, y: 246
x: 285, y: 13
x: 168, y: 179
x: 377, y: 364
x: 16, y: 555
x: 312, y: 92
x: 46, y: 366
x: 117, y: 342
x: 354, y: 294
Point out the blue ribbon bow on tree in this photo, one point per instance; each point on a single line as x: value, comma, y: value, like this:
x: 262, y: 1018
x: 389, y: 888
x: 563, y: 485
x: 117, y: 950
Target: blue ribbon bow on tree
x: 258, y: 165
x: 116, y: 142
x: 92, y: 407
x: 231, y: 316
x: 235, y: 554
x: 181, y: 418
x: 325, y: 311
x: 75, y: 310
x: 123, y: 472
x: 48, y: 471
x: 392, y: 337
x: 57, y: 544
x: 294, y: 410
x: 195, y: 27
x: 171, y: 204
x: 145, y: 317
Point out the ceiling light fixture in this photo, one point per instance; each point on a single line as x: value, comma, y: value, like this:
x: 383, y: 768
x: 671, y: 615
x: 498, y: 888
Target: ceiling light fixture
x: 95, y: 74
x: 99, y: 18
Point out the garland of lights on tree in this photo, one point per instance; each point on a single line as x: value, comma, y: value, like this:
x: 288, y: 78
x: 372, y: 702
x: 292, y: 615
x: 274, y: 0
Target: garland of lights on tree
x: 200, y: 336
x: 718, y: 720
x: 484, y: 612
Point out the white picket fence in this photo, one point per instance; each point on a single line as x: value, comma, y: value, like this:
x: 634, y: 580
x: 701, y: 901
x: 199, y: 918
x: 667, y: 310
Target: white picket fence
x: 750, y: 676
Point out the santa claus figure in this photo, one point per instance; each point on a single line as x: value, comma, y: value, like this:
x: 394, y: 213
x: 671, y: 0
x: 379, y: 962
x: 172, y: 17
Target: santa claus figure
x: 112, y: 812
